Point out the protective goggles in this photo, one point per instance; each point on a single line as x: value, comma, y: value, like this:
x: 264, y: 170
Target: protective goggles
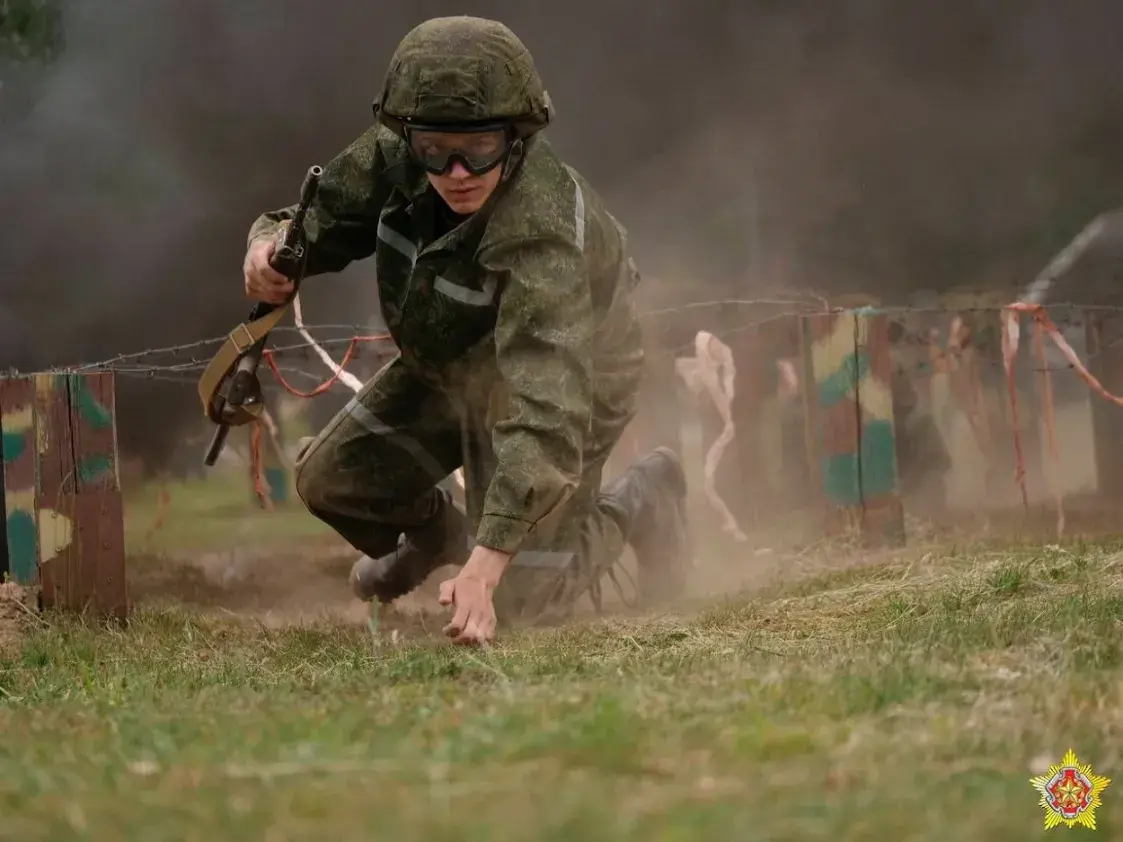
x: 478, y: 149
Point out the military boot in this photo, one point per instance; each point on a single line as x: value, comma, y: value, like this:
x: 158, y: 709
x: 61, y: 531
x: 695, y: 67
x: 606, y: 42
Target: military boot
x: 439, y: 541
x: 650, y: 498
x: 648, y: 502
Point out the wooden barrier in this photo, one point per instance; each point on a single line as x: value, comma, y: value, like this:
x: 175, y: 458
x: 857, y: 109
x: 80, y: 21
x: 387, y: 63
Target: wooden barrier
x: 833, y: 448
x: 947, y: 364
x: 885, y: 396
x: 63, y: 515
x: 849, y: 423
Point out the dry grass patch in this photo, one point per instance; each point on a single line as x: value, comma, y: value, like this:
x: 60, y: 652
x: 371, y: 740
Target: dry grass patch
x: 910, y: 699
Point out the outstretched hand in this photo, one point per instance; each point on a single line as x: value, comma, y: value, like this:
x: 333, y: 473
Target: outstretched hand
x: 470, y: 595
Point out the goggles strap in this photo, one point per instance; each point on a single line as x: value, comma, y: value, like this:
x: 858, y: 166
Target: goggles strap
x: 511, y: 159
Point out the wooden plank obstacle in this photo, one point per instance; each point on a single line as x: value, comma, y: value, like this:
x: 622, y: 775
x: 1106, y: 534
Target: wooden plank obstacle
x: 62, y: 508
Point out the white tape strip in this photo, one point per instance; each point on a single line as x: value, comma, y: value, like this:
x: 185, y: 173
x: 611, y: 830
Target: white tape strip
x: 344, y: 377
x: 712, y: 369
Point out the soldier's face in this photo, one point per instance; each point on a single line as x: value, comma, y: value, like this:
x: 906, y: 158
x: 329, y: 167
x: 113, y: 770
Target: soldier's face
x: 463, y: 167
x: 463, y: 192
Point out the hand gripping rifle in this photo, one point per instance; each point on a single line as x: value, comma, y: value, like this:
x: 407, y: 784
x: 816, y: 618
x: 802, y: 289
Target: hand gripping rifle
x: 238, y: 358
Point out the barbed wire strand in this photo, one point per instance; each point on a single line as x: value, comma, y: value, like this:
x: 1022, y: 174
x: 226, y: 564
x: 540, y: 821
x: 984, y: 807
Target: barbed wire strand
x: 136, y: 363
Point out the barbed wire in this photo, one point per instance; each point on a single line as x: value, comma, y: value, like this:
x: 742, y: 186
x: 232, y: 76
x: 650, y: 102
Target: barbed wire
x: 357, y: 331
x: 191, y: 358
x: 1064, y: 315
x: 188, y: 378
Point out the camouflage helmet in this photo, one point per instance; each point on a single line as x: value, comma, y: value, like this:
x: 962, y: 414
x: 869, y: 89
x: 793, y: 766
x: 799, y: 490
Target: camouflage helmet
x: 463, y: 71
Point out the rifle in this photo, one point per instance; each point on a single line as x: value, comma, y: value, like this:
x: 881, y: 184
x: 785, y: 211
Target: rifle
x: 239, y: 357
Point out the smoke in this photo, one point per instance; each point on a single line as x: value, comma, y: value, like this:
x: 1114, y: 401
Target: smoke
x: 866, y: 145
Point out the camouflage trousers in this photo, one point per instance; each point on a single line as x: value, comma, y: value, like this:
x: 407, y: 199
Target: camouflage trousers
x: 374, y: 471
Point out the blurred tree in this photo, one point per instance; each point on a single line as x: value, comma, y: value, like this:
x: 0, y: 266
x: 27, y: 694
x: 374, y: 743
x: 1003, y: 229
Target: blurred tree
x: 30, y: 30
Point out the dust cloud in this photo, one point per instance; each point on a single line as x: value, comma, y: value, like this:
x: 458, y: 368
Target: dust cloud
x: 867, y: 144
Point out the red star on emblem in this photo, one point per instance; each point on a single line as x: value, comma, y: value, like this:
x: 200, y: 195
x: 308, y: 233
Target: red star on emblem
x: 1069, y: 793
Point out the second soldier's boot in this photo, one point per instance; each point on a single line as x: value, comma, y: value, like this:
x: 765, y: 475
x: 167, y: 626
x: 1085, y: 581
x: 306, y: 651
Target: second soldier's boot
x: 650, y: 499
x: 439, y: 541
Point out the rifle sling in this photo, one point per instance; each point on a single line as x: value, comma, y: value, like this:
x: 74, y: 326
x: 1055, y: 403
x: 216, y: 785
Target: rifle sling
x: 240, y: 340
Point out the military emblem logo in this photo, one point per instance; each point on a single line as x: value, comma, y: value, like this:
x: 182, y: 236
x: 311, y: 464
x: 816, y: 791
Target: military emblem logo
x: 1070, y: 793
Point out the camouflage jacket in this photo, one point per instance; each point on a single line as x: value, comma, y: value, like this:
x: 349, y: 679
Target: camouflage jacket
x: 537, y: 288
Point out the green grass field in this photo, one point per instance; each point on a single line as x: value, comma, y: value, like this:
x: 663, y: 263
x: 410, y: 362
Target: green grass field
x: 909, y: 699
x: 208, y: 514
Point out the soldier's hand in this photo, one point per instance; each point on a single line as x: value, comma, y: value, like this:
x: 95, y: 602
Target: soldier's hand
x: 473, y: 619
x: 263, y: 282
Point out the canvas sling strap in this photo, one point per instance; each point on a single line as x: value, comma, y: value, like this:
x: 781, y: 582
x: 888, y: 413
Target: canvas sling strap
x: 240, y: 340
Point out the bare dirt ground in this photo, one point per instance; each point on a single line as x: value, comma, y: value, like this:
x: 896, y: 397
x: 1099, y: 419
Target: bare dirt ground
x: 280, y: 568
x: 278, y: 586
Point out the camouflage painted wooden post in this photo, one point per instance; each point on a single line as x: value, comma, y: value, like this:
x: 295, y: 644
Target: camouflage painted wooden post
x: 850, y: 434
x: 17, y: 399
x: 65, y: 523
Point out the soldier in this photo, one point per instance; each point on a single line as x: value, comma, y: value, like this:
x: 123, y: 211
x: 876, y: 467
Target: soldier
x: 508, y: 289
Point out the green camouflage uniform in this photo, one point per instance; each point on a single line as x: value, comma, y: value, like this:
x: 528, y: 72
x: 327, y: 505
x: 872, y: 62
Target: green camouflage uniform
x: 519, y: 346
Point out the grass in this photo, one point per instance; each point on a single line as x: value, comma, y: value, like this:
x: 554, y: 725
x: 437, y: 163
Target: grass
x: 227, y: 502
x: 908, y: 700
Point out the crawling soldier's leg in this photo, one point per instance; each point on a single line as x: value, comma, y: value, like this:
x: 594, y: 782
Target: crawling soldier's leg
x: 568, y: 553
x: 372, y: 476
x: 644, y: 508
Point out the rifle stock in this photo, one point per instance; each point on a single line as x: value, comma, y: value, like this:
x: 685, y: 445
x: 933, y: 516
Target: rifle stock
x: 289, y: 258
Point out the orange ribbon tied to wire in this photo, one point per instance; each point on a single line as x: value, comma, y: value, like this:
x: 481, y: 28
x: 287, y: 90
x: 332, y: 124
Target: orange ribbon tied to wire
x: 1044, y: 326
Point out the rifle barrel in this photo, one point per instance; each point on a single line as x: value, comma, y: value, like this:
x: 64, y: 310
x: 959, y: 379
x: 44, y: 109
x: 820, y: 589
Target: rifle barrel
x: 288, y: 258
x: 307, y: 194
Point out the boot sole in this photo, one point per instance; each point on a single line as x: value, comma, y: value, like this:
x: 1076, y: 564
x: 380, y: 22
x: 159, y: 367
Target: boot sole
x: 668, y: 580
